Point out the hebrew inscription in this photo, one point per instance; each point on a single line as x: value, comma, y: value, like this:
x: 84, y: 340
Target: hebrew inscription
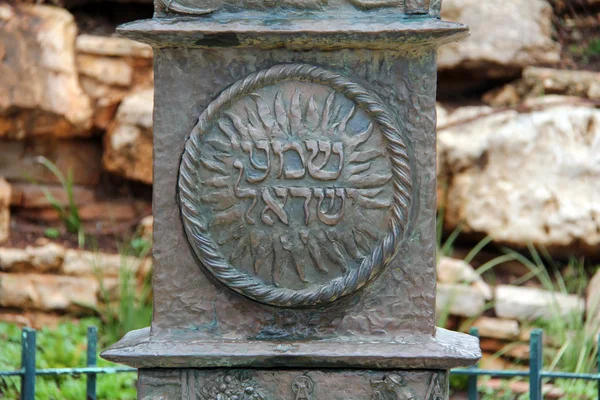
x: 293, y: 183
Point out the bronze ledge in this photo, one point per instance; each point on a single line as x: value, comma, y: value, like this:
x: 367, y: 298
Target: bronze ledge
x: 444, y: 351
x: 370, y: 31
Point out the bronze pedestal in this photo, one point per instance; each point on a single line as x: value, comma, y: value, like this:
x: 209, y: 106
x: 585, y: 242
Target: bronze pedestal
x: 294, y: 203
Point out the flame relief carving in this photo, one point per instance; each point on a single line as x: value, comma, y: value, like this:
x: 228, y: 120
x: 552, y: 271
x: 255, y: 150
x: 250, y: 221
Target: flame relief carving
x: 294, y: 186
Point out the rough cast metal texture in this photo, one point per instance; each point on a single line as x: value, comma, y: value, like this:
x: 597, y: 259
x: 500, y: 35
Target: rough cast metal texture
x: 187, y: 297
x: 193, y: 384
x: 295, y: 192
x: 295, y: 186
x: 204, y: 7
x: 199, y: 321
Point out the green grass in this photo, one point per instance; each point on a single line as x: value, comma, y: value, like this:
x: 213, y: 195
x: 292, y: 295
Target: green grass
x: 68, y: 214
x: 573, y: 345
x: 61, y: 347
x: 131, y: 308
x: 65, y: 346
x: 574, y: 335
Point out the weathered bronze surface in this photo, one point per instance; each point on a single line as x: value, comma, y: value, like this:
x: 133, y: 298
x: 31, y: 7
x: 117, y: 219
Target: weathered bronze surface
x: 294, y: 202
x: 166, y: 8
x: 305, y: 191
x: 223, y: 384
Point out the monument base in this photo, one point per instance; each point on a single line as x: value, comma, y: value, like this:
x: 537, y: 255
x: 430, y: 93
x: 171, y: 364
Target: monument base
x: 293, y: 384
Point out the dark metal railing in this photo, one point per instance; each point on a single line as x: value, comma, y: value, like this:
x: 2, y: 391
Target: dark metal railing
x: 28, y: 372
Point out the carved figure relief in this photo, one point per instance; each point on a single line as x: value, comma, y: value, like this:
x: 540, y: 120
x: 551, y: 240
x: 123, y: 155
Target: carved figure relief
x: 196, y: 7
x: 173, y: 6
x: 302, y: 387
x: 295, y: 186
x: 203, y: 7
x: 251, y: 384
x: 395, y: 387
x: 237, y: 385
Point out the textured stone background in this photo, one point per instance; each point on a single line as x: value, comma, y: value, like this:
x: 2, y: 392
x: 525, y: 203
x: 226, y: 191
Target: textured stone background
x: 518, y: 141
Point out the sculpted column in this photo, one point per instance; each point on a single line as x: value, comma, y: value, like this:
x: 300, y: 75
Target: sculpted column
x: 294, y: 203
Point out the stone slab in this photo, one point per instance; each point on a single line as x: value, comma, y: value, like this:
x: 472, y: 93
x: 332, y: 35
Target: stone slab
x: 19, y: 162
x: 444, y: 351
x: 204, y: 8
x: 388, y: 31
x: 111, y: 46
x: 528, y: 303
x: 217, y: 384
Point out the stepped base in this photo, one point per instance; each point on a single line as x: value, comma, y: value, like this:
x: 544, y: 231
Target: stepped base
x: 256, y: 384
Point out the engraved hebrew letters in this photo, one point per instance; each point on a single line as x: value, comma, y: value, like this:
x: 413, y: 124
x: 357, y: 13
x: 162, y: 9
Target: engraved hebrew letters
x: 296, y: 161
x: 293, y: 184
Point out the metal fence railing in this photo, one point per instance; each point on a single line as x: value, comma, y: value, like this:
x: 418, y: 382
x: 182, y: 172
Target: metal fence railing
x: 28, y: 371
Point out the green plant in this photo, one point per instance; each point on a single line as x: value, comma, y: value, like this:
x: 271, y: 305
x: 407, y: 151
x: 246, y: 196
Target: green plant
x: 573, y: 334
x: 593, y: 48
x: 586, y: 51
x: 52, y: 233
x: 140, y: 246
x: 445, y: 247
x: 132, y: 309
x: 68, y: 214
x: 60, y: 347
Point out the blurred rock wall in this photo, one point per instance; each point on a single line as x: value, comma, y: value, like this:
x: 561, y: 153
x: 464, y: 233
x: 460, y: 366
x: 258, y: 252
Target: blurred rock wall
x: 518, y: 144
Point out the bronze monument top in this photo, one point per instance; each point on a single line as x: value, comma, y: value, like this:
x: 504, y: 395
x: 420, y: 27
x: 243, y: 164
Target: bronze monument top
x: 399, y: 25
x: 295, y: 194
x: 166, y: 8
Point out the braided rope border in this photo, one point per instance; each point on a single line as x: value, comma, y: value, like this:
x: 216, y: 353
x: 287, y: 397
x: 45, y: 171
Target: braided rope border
x: 196, y: 226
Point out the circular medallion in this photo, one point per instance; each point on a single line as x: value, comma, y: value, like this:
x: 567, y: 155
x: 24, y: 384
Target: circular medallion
x: 295, y: 186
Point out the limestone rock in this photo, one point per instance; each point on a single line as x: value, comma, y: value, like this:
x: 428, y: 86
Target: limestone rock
x: 538, y: 82
x: 40, y: 93
x: 13, y: 259
x: 451, y: 270
x: 15, y: 318
x: 128, y: 142
x: 497, y: 328
x: 146, y: 227
x: 505, y: 37
x: 491, y: 361
x: 86, y: 263
x: 460, y: 300
x: 107, y: 211
x: 525, y: 303
x: 18, y: 160
x: 34, y: 319
x: 508, y: 95
x: 525, y: 178
x: 517, y: 388
x: 5, y: 196
x: 28, y: 195
x: 111, y: 69
x: 593, y: 301
x: 441, y: 113
x: 544, y: 81
x: 47, y: 292
x: 46, y: 258
x: 112, y: 46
